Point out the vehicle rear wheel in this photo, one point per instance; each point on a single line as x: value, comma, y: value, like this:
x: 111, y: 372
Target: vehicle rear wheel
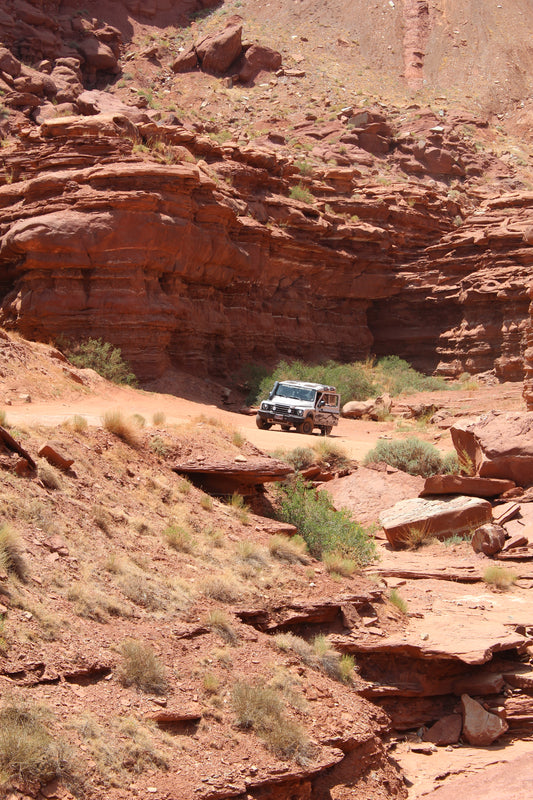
x: 285, y: 427
x: 326, y: 430
x: 261, y: 424
x: 306, y: 426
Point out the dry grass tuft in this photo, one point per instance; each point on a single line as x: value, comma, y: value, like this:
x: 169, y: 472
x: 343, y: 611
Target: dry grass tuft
x: 28, y: 750
x: 239, y: 508
x: 179, y: 538
x: 219, y: 622
x: 48, y: 475
x: 90, y: 603
x: 338, y: 564
x: 119, y: 426
x: 330, y: 455
x: 292, y: 550
x: 260, y: 707
x: 397, y: 600
x: 158, y: 418
x: 141, y: 668
x: 222, y: 587
x: 319, y: 655
x: 499, y: 577
x: 77, y: 424
x: 251, y: 553
x: 206, y: 502
x: 11, y: 558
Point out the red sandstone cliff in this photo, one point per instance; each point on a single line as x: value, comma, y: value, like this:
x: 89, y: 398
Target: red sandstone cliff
x: 109, y: 228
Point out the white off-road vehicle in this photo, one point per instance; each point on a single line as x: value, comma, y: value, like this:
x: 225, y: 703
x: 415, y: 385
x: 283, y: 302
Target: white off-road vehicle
x: 300, y: 405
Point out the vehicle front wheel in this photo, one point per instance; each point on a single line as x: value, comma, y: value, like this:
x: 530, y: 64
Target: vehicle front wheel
x: 261, y: 424
x: 306, y: 426
x: 285, y: 428
x: 326, y: 430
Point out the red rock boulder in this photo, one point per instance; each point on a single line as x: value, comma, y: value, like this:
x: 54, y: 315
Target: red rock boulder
x: 218, y: 51
x: 258, y: 59
x: 498, y: 445
x: 410, y: 522
x: 466, y: 484
x: 488, y: 539
x: 479, y: 726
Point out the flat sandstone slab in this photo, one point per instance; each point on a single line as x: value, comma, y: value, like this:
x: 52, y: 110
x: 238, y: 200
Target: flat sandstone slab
x: 425, y: 518
x: 466, y: 485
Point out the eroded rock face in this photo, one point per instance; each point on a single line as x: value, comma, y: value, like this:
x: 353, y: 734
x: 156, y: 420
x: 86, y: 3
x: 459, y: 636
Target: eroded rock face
x: 528, y: 356
x: 480, y: 727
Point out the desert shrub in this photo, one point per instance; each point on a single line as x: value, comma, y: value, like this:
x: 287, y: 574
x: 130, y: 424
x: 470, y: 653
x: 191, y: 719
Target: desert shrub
x: 159, y: 447
x: 28, y: 749
x: 11, y: 558
x: 158, y: 418
x: 184, y: 486
x: 323, y: 527
x: 293, y: 549
x: 179, y: 538
x: 410, y: 455
x: 450, y: 463
x: 352, y: 381
x: 3, y: 417
x: 499, y: 577
x: 355, y: 381
x: 397, y: 376
x: 300, y: 458
x: 102, y: 357
x: 119, y: 426
x: 261, y: 708
x: 141, y: 667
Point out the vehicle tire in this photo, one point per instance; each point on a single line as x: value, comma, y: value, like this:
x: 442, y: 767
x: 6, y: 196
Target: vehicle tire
x: 326, y: 430
x: 285, y: 428
x: 261, y: 424
x: 306, y: 426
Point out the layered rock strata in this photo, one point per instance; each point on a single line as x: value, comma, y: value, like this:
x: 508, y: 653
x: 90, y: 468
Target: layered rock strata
x: 176, y: 267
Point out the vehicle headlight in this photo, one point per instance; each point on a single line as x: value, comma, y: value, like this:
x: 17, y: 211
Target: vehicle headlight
x: 265, y: 407
x: 299, y: 412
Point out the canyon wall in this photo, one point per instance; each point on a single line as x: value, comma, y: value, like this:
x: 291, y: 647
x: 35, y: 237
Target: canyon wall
x: 176, y: 266
x: 528, y: 361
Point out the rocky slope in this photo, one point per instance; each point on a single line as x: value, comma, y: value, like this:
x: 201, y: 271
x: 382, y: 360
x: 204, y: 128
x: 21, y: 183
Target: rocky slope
x: 323, y: 229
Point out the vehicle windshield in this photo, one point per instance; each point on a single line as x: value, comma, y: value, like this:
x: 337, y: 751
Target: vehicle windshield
x: 296, y: 393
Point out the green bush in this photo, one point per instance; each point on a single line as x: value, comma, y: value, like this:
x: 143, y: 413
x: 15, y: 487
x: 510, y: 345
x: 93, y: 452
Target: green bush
x: 397, y: 376
x: 356, y: 381
x: 101, y: 356
x: 322, y: 527
x: 410, y: 455
x: 352, y: 381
